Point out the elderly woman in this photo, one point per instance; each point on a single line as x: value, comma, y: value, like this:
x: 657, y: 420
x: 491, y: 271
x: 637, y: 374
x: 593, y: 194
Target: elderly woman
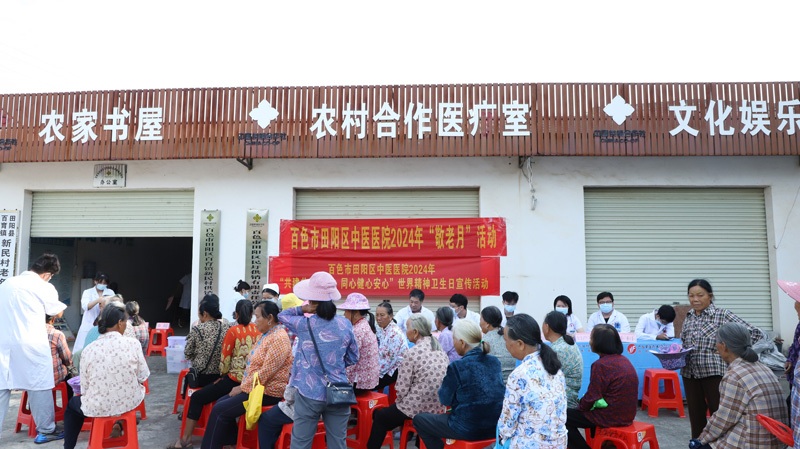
x: 392, y: 345
x: 418, y: 380
x: 535, y: 406
x: 112, y: 375
x: 136, y: 328
x: 473, y: 388
x: 444, y: 324
x: 204, y: 350
x: 704, y: 366
x: 326, y: 346
x: 554, y: 330
x: 491, y: 326
x: 747, y: 389
x: 270, y: 360
x: 614, y: 380
x: 365, y: 374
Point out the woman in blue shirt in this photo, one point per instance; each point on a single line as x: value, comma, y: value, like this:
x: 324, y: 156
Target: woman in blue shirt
x: 473, y: 389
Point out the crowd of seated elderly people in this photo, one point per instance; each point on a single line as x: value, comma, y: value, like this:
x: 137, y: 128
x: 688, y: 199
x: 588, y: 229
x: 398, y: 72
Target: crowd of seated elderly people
x: 505, y: 379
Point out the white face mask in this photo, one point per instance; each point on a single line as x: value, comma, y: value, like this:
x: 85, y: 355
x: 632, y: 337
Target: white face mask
x: 101, y: 287
x: 606, y: 307
x: 564, y: 310
x: 510, y: 308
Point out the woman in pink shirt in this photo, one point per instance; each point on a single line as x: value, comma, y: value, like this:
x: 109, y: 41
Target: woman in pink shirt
x: 365, y: 374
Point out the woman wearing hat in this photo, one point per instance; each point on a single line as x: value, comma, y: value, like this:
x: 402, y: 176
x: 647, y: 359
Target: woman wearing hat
x: 748, y: 389
x: 365, y: 374
x: 792, y: 375
x: 271, y: 292
x: 337, y: 348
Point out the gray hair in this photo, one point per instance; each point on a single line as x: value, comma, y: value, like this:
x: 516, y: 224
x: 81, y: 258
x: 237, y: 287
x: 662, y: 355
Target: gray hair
x: 470, y: 333
x: 738, y: 340
x: 420, y: 323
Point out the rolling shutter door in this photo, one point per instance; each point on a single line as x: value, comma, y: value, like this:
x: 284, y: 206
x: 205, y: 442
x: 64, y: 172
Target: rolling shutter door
x: 112, y: 214
x: 645, y: 245
x: 403, y: 203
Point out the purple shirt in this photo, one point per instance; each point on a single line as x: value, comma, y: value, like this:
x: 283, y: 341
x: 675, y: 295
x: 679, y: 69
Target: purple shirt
x: 337, y: 347
x: 446, y: 340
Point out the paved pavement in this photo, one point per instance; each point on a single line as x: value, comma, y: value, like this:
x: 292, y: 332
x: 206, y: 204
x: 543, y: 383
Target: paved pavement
x: 162, y: 427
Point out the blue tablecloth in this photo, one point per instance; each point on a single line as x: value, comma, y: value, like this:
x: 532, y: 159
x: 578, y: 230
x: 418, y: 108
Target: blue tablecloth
x: 639, y: 355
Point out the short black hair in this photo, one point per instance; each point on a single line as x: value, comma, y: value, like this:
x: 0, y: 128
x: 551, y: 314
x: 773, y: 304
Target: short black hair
x: 100, y: 277
x: 46, y: 263
x: 459, y: 299
x: 326, y: 310
x: 417, y: 293
x: 210, y: 305
x: 510, y: 297
x: 565, y: 299
x: 268, y: 308
x: 241, y: 285
x: 666, y: 313
x: 602, y: 295
x: 605, y: 340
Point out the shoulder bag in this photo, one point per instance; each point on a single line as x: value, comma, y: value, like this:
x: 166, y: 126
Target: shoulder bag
x: 193, y: 376
x: 338, y: 393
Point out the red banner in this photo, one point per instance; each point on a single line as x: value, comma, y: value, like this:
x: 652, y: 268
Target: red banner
x: 436, y: 277
x: 394, y: 238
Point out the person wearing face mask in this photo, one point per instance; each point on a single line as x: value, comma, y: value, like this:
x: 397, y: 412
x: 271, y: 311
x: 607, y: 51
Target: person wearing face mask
x: 608, y: 315
x: 458, y: 303
x: 271, y: 292
x: 657, y: 325
x: 90, y: 307
x: 563, y: 304
x: 510, y: 300
x: 228, y: 306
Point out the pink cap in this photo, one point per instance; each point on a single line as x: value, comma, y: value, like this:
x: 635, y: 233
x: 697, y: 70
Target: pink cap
x: 355, y: 301
x: 791, y: 288
x: 320, y: 287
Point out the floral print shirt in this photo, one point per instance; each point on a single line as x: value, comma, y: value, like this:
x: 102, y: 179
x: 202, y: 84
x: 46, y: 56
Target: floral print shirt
x: 572, y: 367
x: 271, y: 359
x: 113, y: 370
x: 534, y: 407
x: 365, y: 373
x: 392, y: 345
x: 419, y: 378
x: 236, y: 347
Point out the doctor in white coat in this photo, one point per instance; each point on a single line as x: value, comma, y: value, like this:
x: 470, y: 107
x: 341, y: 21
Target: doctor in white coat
x: 90, y: 304
x: 25, y: 359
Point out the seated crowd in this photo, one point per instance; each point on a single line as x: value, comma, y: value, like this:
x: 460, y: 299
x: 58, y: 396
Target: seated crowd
x: 493, y: 375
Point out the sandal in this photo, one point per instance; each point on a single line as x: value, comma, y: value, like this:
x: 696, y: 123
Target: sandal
x: 116, y: 430
x: 180, y: 445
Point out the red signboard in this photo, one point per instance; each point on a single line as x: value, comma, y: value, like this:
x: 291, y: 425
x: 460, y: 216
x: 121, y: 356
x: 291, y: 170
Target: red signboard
x: 394, y: 277
x: 394, y: 238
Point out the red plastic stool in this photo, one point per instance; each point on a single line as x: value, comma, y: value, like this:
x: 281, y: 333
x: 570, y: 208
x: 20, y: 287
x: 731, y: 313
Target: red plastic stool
x: 366, y: 403
x: 285, y: 440
x: 24, y: 416
x: 140, y: 408
x: 459, y: 444
x: 630, y: 437
x: 101, y: 427
x: 408, y: 427
x: 671, y: 398
x: 178, y: 396
x: 248, y: 439
x: 160, y: 345
x: 62, y: 388
x: 777, y: 428
x: 146, y: 386
x: 200, y: 426
x: 392, y: 394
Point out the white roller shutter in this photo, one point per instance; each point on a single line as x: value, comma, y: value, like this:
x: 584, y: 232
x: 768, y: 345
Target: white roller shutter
x: 645, y: 245
x: 402, y: 203
x: 113, y: 214
x: 407, y: 203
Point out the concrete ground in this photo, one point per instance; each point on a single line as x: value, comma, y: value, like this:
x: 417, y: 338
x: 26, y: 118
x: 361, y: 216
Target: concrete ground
x: 162, y: 427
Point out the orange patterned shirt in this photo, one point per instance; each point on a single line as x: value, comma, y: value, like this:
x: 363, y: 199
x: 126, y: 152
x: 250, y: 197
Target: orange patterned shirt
x: 236, y: 346
x: 271, y: 358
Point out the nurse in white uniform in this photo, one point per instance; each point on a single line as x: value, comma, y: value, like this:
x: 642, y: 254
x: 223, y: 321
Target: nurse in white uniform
x: 228, y: 306
x: 25, y: 360
x: 90, y: 305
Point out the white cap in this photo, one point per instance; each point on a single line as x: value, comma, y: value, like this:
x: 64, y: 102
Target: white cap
x: 273, y: 287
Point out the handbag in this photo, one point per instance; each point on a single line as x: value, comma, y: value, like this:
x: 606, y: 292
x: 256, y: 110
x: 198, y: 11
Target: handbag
x: 252, y: 405
x: 193, y: 376
x: 337, y: 393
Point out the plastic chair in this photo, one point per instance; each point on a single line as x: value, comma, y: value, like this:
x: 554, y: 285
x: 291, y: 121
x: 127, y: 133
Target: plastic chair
x: 146, y: 386
x: 777, y: 428
x: 366, y: 403
x: 459, y: 444
x: 630, y: 437
x: 178, y: 396
x: 671, y: 398
x: 140, y: 408
x: 24, y: 416
x: 159, y: 345
x: 248, y: 439
x: 101, y: 427
x: 285, y: 440
x: 408, y: 427
x: 200, y: 426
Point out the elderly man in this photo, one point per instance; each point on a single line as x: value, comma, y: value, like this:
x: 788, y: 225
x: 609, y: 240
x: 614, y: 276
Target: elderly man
x: 25, y: 358
x: 415, y: 299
